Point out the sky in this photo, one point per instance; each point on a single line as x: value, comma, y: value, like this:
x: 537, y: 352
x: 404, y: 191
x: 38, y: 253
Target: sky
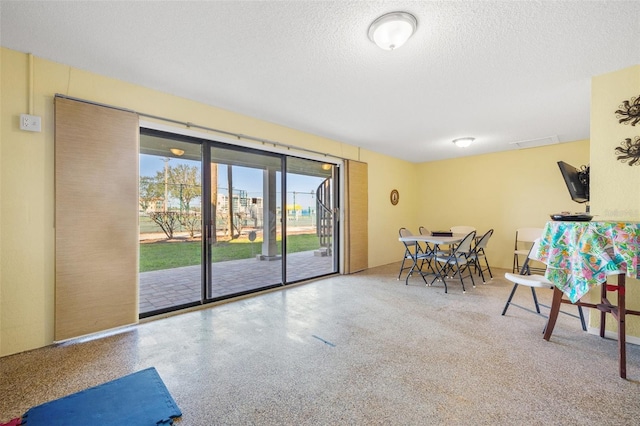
x: 249, y: 180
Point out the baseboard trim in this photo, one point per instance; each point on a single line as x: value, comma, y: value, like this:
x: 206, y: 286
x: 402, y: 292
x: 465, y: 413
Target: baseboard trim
x: 613, y: 335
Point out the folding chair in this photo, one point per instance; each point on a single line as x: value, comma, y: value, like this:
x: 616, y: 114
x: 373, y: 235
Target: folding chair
x: 455, y: 262
x: 478, y: 253
x: 524, y: 239
x: 414, y: 252
x: 534, y: 281
x: 424, y: 231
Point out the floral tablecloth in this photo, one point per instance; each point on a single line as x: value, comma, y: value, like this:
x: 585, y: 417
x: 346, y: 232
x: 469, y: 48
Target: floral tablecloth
x: 580, y: 255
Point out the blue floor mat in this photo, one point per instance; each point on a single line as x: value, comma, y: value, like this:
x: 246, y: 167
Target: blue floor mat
x: 138, y: 399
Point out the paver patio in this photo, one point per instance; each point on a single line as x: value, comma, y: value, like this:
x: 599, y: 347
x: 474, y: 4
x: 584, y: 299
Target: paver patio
x: 177, y: 286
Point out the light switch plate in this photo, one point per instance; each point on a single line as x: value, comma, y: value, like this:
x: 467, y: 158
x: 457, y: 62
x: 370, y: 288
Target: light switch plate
x: 31, y: 123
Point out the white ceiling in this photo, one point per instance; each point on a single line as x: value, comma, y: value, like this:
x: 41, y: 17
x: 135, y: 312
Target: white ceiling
x: 501, y: 72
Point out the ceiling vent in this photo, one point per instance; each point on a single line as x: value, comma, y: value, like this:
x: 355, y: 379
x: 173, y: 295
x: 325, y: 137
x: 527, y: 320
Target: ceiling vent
x: 531, y: 143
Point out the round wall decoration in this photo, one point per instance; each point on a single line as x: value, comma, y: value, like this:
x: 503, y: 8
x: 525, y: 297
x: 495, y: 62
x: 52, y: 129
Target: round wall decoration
x: 395, y: 197
x: 629, y: 152
x: 629, y: 112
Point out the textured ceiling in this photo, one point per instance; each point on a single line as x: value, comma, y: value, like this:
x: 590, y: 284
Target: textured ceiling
x: 501, y: 72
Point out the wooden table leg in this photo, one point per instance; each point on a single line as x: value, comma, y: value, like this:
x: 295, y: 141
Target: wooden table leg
x: 553, y: 313
x: 619, y: 312
x: 603, y: 313
x: 622, y: 340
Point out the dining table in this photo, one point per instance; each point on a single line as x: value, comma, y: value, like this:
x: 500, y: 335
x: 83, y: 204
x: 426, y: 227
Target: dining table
x: 436, y: 240
x: 582, y: 255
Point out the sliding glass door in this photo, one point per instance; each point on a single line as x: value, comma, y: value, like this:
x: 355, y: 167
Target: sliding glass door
x: 218, y: 221
x: 244, y: 230
x: 170, y: 218
x: 310, y: 219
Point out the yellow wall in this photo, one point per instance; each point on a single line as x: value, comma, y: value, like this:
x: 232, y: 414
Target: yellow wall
x: 504, y: 191
x: 26, y: 227
x: 26, y: 181
x: 615, y: 186
x: 391, y: 173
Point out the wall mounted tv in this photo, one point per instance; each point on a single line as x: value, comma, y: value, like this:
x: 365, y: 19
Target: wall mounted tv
x: 577, y: 181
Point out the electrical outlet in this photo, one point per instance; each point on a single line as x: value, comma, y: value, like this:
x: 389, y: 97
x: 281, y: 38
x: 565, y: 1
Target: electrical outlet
x: 31, y: 123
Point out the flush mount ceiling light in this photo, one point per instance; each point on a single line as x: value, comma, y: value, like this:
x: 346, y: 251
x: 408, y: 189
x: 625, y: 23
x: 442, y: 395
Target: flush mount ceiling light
x: 392, y: 30
x: 177, y: 151
x: 463, y: 142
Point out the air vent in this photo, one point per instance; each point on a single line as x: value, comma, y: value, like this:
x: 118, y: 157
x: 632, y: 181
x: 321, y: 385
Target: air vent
x: 531, y: 143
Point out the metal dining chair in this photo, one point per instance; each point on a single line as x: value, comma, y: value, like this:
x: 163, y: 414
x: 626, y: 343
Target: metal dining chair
x: 448, y: 265
x: 414, y: 252
x: 478, y: 253
x: 460, y: 229
x: 424, y: 231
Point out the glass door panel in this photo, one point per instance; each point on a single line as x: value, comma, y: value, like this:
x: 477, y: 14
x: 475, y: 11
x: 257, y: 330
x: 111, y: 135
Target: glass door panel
x: 218, y: 221
x: 310, y: 222
x: 170, y: 217
x: 244, y: 232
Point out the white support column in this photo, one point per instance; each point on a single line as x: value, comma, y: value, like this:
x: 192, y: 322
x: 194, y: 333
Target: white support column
x: 269, y: 247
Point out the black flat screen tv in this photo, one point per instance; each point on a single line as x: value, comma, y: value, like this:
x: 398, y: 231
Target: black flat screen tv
x: 577, y: 181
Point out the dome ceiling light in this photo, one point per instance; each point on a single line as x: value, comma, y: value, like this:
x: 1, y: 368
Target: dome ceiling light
x: 392, y: 30
x: 463, y: 142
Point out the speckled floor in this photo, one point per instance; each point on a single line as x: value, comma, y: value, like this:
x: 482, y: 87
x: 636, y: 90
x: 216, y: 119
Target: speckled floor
x: 359, y: 349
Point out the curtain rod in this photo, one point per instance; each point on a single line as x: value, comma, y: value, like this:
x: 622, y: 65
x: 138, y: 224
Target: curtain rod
x: 197, y: 126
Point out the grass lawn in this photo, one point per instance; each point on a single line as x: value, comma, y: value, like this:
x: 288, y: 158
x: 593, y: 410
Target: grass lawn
x: 170, y: 254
